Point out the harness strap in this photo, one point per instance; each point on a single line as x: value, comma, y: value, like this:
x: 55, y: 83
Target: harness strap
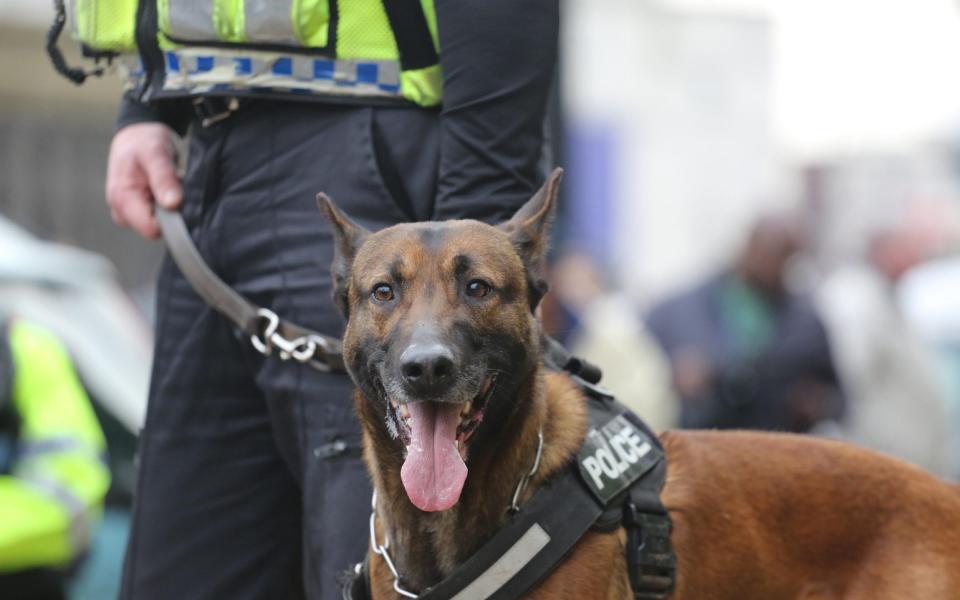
x: 527, y: 549
x: 410, y: 30
x: 266, y: 330
x: 651, y: 562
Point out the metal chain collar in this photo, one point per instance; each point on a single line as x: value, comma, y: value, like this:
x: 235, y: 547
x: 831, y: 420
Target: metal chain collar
x: 525, y: 480
x: 382, y: 549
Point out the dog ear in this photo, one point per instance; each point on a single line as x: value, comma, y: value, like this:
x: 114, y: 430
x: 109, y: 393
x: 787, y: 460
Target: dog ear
x: 529, y: 230
x: 347, y: 237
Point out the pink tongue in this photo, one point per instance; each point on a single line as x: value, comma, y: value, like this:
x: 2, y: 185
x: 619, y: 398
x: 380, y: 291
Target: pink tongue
x: 433, y: 473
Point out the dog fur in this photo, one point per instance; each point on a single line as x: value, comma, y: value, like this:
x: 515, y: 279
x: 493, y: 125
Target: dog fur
x: 755, y: 516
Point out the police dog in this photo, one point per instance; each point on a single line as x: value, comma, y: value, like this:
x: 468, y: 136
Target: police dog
x: 444, y: 347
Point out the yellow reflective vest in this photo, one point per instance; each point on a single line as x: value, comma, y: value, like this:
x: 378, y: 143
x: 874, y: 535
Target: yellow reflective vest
x: 384, y: 49
x: 53, y: 494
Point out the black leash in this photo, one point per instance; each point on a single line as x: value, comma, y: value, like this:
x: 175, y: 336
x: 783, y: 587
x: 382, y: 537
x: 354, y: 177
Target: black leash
x: 267, y: 331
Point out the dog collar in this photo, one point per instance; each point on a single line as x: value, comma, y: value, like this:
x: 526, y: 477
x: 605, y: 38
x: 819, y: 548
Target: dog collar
x: 383, y: 550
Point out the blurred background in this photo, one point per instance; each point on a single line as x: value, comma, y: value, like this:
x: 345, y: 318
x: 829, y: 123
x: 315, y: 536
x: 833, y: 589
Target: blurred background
x: 760, y: 222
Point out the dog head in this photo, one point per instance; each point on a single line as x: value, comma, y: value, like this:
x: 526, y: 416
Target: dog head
x: 441, y: 333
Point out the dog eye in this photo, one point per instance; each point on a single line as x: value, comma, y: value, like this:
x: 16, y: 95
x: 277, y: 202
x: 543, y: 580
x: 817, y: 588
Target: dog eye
x: 382, y: 292
x: 478, y: 288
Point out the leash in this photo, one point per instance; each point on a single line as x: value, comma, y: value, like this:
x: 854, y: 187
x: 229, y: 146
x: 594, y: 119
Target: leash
x: 267, y: 331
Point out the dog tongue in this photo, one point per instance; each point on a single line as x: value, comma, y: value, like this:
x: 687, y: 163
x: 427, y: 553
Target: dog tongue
x: 433, y: 472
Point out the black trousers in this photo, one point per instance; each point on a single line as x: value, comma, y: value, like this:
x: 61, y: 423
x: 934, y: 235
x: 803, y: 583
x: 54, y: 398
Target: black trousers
x: 251, y: 480
x: 33, y: 584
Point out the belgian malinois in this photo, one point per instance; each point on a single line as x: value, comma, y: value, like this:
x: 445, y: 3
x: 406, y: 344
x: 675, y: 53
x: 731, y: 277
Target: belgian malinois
x: 445, y: 349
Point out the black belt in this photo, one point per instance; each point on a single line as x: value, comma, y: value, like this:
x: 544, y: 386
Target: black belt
x: 267, y: 331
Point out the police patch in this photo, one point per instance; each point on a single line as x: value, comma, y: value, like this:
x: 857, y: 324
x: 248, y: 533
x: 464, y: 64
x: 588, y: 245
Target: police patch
x: 615, y: 455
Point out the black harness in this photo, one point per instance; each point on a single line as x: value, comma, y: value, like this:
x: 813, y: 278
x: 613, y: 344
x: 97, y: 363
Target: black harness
x: 614, y: 482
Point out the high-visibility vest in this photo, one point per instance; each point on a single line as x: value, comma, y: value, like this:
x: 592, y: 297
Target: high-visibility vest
x: 53, y: 493
x: 362, y: 49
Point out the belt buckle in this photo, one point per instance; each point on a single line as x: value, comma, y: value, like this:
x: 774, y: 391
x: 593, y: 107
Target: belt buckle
x: 213, y: 110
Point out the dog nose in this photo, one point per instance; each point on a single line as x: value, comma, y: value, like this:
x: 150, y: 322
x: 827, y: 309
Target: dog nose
x: 427, y: 368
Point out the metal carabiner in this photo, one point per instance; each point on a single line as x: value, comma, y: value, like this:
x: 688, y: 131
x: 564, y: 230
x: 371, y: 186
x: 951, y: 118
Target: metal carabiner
x: 264, y: 344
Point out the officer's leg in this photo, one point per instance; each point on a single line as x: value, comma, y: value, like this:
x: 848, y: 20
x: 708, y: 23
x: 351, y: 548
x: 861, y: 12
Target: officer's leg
x: 217, y: 512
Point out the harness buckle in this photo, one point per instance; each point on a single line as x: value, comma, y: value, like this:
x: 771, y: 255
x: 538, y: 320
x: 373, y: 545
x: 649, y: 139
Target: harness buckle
x: 211, y: 109
x: 651, y: 563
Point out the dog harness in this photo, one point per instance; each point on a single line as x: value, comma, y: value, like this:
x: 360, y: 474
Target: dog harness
x: 614, y: 481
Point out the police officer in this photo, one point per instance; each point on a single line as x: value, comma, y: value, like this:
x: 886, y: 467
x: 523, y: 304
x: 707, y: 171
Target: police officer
x: 252, y: 484
x: 53, y: 474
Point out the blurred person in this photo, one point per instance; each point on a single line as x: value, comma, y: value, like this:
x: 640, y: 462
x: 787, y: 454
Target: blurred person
x: 609, y: 335
x: 252, y: 483
x: 929, y: 295
x: 896, y: 399
x: 745, y: 351
x: 53, y: 470
x: 74, y: 294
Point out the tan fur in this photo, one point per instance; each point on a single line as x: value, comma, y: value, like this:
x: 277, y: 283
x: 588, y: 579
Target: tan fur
x: 774, y: 516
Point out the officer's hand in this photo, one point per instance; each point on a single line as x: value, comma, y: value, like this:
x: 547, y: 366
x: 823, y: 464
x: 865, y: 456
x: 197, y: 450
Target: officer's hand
x: 141, y: 171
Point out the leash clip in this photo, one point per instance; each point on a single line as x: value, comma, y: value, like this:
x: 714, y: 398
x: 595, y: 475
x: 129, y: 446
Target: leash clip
x: 264, y: 343
x: 303, y: 349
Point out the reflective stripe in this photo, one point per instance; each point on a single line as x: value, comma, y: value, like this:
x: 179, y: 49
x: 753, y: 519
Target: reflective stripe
x: 197, y: 71
x: 269, y: 21
x: 72, y: 20
x: 188, y: 19
x: 80, y: 520
x: 31, y: 449
x: 512, y: 562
